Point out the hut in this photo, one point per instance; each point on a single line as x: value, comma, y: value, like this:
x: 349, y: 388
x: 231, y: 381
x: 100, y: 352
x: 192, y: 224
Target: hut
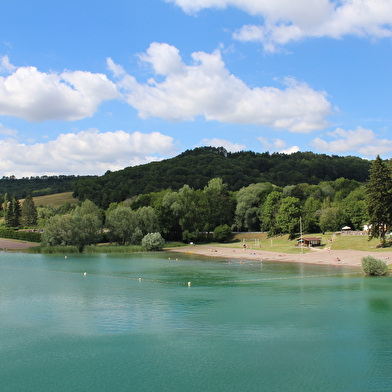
x: 309, y: 241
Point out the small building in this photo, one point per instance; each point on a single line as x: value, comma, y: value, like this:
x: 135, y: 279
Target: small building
x: 309, y: 241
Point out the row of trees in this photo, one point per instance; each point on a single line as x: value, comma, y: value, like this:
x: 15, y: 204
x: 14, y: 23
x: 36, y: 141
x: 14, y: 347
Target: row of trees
x: 16, y: 214
x: 194, y: 214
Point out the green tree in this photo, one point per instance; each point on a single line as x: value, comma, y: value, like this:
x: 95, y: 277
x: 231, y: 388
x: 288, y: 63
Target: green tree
x: 269, y: 211
x: 121, y: 224
x: 29, y: 212
x: 379, y: 199
x: 220, y: 204
x: 249, y: 200
x: 81, y: 227
x: 288, y: 215
x: 147, y: 220
x: 331, y: 219
x: 222, y: 233
x: 13, y: 213
x: 311, y: 215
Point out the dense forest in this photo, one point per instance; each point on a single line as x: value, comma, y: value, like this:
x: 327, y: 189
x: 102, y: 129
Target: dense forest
x: 196, y: 167
x: 37, y: 186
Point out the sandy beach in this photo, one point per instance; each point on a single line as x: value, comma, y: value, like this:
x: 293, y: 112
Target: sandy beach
x: 350, y: 258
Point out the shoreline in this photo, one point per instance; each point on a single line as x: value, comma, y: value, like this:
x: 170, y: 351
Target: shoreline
x: 347, y: 258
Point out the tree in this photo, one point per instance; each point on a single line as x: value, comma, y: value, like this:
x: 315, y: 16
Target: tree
x: 331, y: 219
x: 269, y: 211
x: 147, y: 220
x: 288, y: 215
x: 222, y: 233
x: 311, y: 212
x: 221, y: 206
x: 29, y: 212
x: 249, y: 200
x: 13, y: 213
x: 121, y: 223
x: 81, y: 227
x: 379, y: 199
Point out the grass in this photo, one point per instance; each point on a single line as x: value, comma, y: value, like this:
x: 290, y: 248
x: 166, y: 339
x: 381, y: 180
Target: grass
x: 56, y: 200
x: 282, y: 244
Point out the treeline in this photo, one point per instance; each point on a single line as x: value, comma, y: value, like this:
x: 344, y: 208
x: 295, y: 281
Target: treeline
x: 37, y: 186
x: 213, y: 213
x: 237, y: 170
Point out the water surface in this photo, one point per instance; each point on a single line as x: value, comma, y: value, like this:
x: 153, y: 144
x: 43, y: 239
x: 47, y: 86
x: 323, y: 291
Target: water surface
x: 133, y: 324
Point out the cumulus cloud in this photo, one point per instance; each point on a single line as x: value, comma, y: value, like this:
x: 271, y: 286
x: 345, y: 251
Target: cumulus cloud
x: 277, y: 145
x: 287, y: 20
x: 38, y: 96
x: 229, y: 146
x: 206, y: 88
x: 361, y: 140
x: 86, y: 152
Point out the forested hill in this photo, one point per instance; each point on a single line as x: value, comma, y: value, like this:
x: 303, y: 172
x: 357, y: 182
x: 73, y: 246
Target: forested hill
x: 37, y: 186
x: 196, y: 167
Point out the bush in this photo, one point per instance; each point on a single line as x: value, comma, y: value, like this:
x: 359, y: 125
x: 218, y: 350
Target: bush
x: 373, y: 266
x: 137, y: 236
x: 153, y: 241
x: 222, y: 233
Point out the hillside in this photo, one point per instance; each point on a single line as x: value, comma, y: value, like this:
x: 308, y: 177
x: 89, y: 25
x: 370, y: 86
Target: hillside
x: 196, y: 167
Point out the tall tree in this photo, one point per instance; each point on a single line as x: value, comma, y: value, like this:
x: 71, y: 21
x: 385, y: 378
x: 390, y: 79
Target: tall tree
x: 288, y: 215
x: 379, y: 199
x: 29, y: 212
x: 13, y: 213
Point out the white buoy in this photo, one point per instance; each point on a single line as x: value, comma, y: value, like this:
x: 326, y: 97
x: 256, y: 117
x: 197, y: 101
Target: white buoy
x: 85, y: 274
x: 140, y: 279
x: 189, y: 284
x: 65, y: 257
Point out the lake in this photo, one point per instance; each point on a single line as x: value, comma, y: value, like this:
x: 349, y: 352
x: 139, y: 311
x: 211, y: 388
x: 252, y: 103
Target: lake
x: 132, y: 323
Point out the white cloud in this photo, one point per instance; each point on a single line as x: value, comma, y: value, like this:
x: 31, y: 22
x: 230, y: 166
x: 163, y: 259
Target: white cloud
x: 5, y: 65
x: 38, y: 96
x: 7, y: 131
x: 86, y: 152
x: 288, y: 20
x: 363, y: 141
x: 277, y: 145
x: 206, y: 88
x: 229, y: 146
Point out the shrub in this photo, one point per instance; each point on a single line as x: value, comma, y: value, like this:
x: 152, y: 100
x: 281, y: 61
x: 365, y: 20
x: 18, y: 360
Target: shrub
x: 137, y: 236
x: 153, y: 241
x: 222, y: 233
x: 373, y: 266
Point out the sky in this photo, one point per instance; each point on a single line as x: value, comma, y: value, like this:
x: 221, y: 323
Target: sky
x: 90, y: 86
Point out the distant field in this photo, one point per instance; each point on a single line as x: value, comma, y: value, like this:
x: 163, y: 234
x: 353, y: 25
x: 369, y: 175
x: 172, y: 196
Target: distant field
x: 55, y: 200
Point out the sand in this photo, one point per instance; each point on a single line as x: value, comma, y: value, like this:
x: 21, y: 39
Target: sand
x: 6, y: 244
x: 350, y: 258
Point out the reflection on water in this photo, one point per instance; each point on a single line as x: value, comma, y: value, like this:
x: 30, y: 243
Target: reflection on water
x: 132, y: 323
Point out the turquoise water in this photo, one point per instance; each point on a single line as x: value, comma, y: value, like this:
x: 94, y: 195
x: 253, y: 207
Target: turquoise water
x: 238, y: 327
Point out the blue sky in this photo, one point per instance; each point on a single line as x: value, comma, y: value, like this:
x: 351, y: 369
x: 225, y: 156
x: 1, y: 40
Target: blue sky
x: 90, y: 86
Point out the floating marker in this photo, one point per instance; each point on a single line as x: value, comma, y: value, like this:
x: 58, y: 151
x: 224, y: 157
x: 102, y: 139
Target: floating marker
x: 189, y: 284
x: 140, y: 279
x: 85, y: 274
